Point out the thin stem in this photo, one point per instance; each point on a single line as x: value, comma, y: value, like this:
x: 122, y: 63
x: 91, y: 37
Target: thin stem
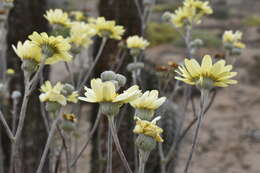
x: 204, y: 96
x: 70, y: 73
x: 109, y: 151
x: 47, y: 145
x: 143, y: 157
x: 88, y: 140
x: 117, y: 144
x: 7, y: 128
x: 103, y: 43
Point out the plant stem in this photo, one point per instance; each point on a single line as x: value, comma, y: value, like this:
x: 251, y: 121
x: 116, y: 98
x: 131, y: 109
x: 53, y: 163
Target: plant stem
x: 203, y: 101
x: 47, y: 145
x: 109, y: 151
x: 74, y: 162
x: 143, y: 157
x: 117, y: 144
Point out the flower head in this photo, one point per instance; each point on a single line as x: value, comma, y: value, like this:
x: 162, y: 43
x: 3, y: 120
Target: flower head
x: 55, y: 48
x: 108, y: 28
x: 52, y: 93
x: 217, y: 74
x: 233, y: 38
x: 182, y: 16
x: 136, y: 42
x: 70, y: 117
x: 149, y: 100
x: 10, y: 71
x: 201, y: 7
x: 57, y: 16
x: 81, y: 34
x: 73, y: 97
x: 106, y: 92
x: 148, y: 128
x: 28, y: 50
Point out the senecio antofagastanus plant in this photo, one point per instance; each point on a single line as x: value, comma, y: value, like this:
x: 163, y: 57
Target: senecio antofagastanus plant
x: 71, y: 35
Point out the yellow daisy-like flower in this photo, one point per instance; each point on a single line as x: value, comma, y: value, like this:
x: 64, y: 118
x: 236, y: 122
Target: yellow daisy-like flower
x: 148, y: 128
x: 52, y: 93
x: 55, y: 48
x: 182, y: 16
x: 218, y: 74
x: 81, y: 34
x: 73, y: 97
x: 201, y: 7
x: 77, y: 15
x: 136, y: 42
x: 149, y: 100
x: 10, y: 71
x: 108, y: 28
x: 106, y: 92
x: 57, y: 16
x: 28, y: 50
x: 233, y: 38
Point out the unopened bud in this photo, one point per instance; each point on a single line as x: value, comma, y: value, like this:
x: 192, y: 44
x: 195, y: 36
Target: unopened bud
x: 145, y: 143
x: 121, y: 80
x: 166, y: 16
x: 67, y: 89
x: 16, y: 94
x: 108, y: 76
x: 135, y: 66
x: 29, y: 66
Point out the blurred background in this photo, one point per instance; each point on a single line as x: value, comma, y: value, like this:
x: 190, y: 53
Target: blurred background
x: 230, y: 136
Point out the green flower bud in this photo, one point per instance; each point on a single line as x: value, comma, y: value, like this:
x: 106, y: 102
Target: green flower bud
x: 52, y: 106
x: 109, y: 109
x: 144, y: 114
x: 135, y: 66
x: 108, y: 76
x: 145, y: 143
x: 121, y: 80
x: 166, y: 16
x: 67, y: 89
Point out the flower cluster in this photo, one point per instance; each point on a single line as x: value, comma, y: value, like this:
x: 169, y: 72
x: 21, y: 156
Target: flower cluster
x: 190, y: 13
x: 59, y: 94
x: 57, y: 16
x: 206, y: 75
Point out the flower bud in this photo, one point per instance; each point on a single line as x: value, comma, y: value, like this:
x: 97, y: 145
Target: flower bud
x: 145, y: 143
x: 108, y: 76
x: 166, y: 16
x: 16, y: 94
x: 135, y: 66
x: 109, y: 109
x: 144, y: 114
x: 196, y: 43
x: 121, y: 80
x: 52, y: 106
x: 228, y: 46
x: 67, y: 89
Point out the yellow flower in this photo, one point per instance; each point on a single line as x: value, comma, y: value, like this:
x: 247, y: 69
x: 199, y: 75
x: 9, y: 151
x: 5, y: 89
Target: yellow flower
x: 216, y: 74
x: 55, y: 48
x: 70, y: 117
x: 148, y: 128
x: 108, y: 28
x: 28, y: 50
x: 57, y: 16
x: 73, y: 97
x: 77, y: 15
x: 233, y: 38
x: 52, y: 94
x: 149, y: 100
x: 10, y: 71
x: 182, y: 16
x: 201, y: 7
x: 136, y: 42
x: 106, y: 92
x: 81, y: 34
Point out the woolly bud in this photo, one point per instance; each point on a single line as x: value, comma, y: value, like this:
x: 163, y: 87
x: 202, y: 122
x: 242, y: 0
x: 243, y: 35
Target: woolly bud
x: 166, y: 16
x: 29, y: 66
x: 108, y: 76
x: 16, y: 94
x: 121, y: 80
x: 67, y: 89
x: 145, y: 143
